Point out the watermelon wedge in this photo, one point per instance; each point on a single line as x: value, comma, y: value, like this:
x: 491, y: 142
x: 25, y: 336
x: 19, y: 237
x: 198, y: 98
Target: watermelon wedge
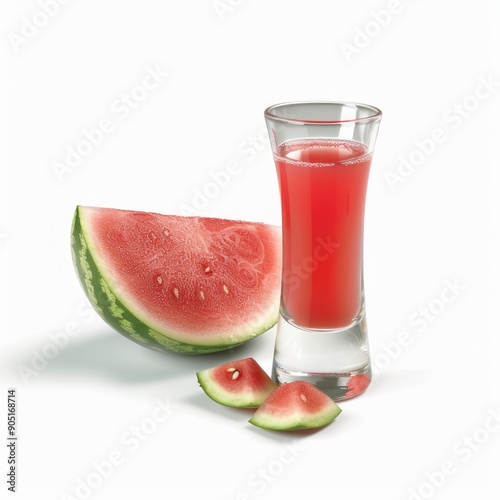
x: 240, y: 384
x: 186, y: 284
x: 296, y: 405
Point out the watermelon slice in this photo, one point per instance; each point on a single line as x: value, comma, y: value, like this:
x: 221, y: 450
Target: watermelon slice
x: 240, y: 384
x: 187, y: 284
x: 357, y: 384
x: 296, y: 405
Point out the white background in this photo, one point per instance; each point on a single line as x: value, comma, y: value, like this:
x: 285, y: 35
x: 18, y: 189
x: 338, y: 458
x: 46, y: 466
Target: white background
x: 226, y: 62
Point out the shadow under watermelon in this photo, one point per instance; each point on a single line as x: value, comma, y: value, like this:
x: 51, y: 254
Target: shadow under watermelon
x: 111, y: 356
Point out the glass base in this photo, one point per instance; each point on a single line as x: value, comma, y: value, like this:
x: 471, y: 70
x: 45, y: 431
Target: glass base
x: 336, y: 361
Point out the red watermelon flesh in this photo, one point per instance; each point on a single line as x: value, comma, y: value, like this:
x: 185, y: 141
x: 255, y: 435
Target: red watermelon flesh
x: 357, y: 384
x: 296, y: 405
x: 240, y: 384
x: 190, y: 284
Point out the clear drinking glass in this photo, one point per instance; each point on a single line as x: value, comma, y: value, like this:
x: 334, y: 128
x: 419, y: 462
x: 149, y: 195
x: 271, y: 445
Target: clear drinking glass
x: 323, y: 153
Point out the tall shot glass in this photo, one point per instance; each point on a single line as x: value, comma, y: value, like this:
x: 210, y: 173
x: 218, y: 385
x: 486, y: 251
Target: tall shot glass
x: 323, y: 153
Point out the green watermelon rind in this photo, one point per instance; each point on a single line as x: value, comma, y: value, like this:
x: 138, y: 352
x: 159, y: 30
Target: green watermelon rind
x: 242, y: 399
x: 298, y: 420
x: 112, y: 309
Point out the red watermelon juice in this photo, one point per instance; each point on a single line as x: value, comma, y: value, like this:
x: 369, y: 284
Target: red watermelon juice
x: 323, y: 186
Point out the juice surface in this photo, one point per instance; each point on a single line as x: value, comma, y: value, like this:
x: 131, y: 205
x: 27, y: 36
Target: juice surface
x: 323, y: 187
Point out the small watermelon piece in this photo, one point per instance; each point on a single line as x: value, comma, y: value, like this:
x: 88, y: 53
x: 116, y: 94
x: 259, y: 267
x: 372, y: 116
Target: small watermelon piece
x: 357, y: 385
x: 296, y: 405
x: 187, y: 284
x: 240, y: 384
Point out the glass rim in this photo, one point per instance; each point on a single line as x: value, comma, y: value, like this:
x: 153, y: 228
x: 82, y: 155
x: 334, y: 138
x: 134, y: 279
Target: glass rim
x: 269, y: 112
